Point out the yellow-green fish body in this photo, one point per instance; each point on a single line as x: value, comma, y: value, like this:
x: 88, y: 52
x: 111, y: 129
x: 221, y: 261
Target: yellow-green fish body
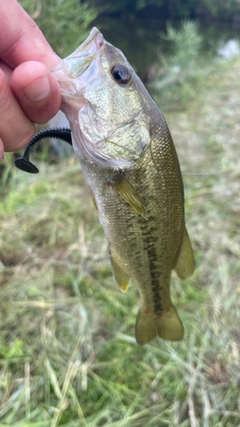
x: 131, y: 166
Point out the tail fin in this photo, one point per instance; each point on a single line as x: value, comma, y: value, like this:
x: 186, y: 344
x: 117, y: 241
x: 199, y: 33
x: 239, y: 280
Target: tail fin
x: 166, y: 325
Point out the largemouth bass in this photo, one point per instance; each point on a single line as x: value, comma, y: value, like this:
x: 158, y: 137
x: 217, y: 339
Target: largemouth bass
x: 131, y: 167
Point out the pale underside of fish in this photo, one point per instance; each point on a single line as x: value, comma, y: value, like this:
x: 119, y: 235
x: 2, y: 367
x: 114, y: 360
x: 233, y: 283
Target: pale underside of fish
x: 131, y: 167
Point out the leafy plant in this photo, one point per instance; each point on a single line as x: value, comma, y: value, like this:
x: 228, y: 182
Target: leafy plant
x: 65, y: 23
x: 179, y: 71
x: 186, y: 44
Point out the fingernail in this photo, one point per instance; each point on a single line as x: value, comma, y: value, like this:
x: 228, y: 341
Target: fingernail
x: 38, y: 90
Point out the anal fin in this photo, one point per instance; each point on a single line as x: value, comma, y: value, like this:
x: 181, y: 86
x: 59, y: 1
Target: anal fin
x: 185, y: 263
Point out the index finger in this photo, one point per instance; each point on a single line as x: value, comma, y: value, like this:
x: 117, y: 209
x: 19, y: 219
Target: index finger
x: 21, y: 38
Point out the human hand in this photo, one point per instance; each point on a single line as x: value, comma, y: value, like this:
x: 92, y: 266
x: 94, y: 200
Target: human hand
x: 28, y: 92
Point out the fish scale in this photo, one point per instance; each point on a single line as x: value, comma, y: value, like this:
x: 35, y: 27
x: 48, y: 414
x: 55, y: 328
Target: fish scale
x: 131, y: 167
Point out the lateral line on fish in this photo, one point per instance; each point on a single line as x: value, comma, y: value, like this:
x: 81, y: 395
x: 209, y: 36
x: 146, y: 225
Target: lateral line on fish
x: 157, y: 299
x: 154, y: 273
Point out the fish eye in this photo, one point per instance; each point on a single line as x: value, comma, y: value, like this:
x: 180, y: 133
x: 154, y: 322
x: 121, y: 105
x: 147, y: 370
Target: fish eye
x: 121, y: 74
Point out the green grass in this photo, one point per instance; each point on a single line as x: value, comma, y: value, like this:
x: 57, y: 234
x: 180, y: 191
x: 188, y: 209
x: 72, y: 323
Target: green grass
x: 68, y: 355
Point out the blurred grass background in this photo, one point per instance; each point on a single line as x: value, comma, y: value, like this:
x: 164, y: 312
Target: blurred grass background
x: 68, y: 355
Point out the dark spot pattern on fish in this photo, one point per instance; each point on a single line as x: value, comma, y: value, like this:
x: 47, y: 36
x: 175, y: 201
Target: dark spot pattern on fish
x: 154, y: 273
x: 149, y: 247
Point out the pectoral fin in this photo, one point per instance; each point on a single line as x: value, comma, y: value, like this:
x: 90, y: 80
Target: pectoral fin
x: 94, y: 200
x: 120, y: 276
x: 185, y: 263
x: 129, y: 194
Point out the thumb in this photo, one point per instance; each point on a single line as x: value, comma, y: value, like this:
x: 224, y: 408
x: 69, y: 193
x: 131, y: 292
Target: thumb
x: 37, y: 91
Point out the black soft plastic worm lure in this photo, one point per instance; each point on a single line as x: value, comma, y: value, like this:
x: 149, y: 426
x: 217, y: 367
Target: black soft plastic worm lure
x: 24, y: 163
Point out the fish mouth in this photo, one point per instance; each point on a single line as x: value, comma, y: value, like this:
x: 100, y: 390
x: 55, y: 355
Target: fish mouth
x: 94, y: 41
x: 75, y: 64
